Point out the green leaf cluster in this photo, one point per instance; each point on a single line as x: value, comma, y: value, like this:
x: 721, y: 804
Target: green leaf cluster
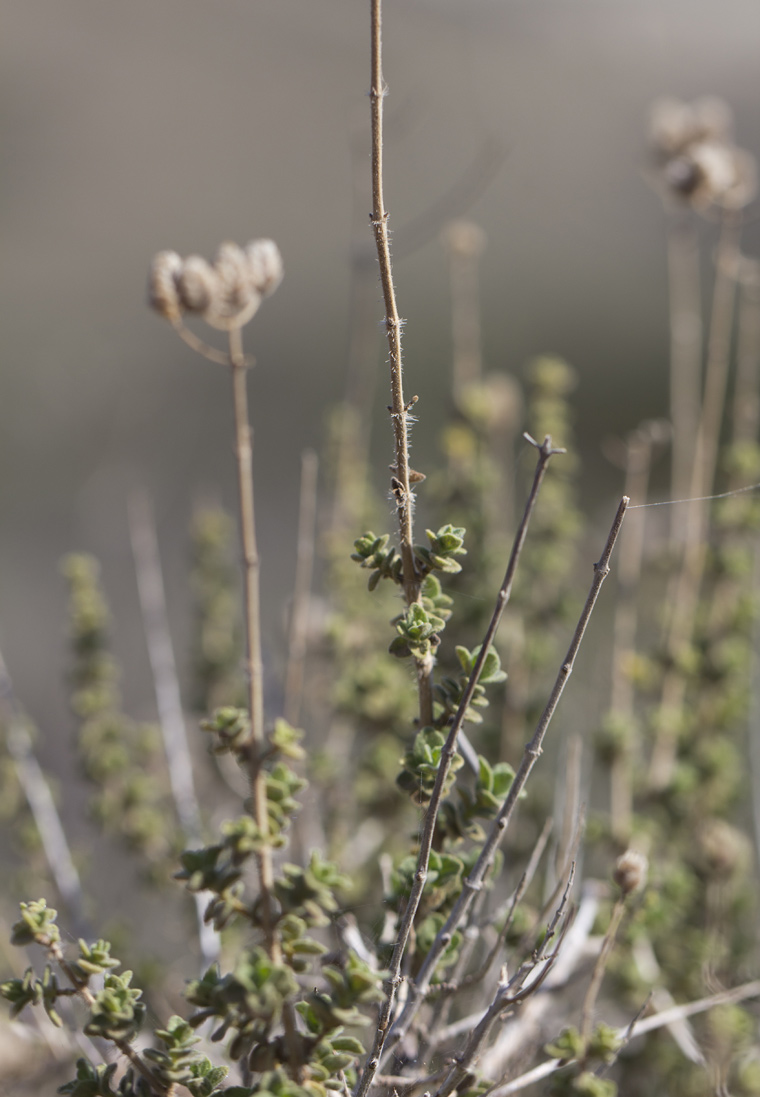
x: 450, y: 691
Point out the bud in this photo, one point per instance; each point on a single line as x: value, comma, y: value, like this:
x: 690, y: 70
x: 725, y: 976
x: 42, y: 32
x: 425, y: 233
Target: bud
x: 630, y: 872
x: 162, y: 284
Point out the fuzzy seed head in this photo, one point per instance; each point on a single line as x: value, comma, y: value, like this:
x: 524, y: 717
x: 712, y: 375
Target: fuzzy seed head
x: 630, y: 872
x: 162, y: 285
x: 674, y: 125
x: 723, y: 849
x: 226, y: 293
x: 264, y: 265
x: 197, y: 284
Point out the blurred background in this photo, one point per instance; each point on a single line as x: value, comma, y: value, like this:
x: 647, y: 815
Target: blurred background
x: 130, y: 128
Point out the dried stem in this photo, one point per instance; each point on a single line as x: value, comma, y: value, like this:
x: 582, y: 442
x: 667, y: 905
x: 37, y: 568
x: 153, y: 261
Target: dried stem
x: 638, y: 463
x: 299, y: 610
x: 509, y: 993
x: 746, y: 409
x: 533, y: 750
x: 597, y: 975
x: 649, y: 1024
x: 393, y: 322
x: 685, y: 352
x: 257, y: 777
x: 399, y: 408
x: 689, y: 582
x: 464, y: 242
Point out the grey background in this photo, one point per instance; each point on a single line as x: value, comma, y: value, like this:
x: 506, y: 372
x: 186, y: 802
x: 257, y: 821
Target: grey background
x: 126, y: 128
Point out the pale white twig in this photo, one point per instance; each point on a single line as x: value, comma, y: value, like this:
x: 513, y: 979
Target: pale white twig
x: 649, y: 1024
x: 168, y: 700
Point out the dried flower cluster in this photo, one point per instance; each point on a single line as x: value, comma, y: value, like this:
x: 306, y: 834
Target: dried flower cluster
x: 698, y: 160
x: 225, y: 293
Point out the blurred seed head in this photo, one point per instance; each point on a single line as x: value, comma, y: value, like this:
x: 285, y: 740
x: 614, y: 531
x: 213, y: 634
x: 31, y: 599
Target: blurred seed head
x: 163, y: 295
x: 225, y: 293
x: 264, y: 265
x: 723, y: 850
x: 631, y: 872
x: 674, y: 125
x: 197, y: 284
x: 698, y: 161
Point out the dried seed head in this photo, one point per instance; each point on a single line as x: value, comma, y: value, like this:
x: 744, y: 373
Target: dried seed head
x: 712, y: 173
x: 723, y: 849
x: 197, y: 284
x: 674, y: 125
x: 630, y: 872
x: 162, y: 285
x: 225, y: 294
x: 238, y: 300
x: 698, y: 160
x: 264, y: 265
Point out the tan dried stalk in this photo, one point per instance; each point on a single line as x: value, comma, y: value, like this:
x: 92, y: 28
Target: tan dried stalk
x: 254, y: 671
x: 638, y: 463
x: 299, y: 610
x: 400, y: 409
x: 684, y: 293
x: 689, y: 582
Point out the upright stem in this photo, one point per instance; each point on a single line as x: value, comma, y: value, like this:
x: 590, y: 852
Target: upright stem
x: 257, y: 777
x: 689, y: 582
x: 393, y: 323
x: 638, y: 464
x: 685, y: 353
x: 400, y: 487
x: 299, y: 611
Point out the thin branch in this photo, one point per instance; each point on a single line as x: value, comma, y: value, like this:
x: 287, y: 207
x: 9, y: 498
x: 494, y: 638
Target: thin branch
x: 508, y: 994
x: 685, y: 352
x: 533, y: 750
x: 599, y: 968
x: 299, y: 610
x: 171, y: 716
x: 522, y: 887
x: 206, y: 351
x: 649, y: 1024
x: 689, y: 581
x: 545, y: 453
